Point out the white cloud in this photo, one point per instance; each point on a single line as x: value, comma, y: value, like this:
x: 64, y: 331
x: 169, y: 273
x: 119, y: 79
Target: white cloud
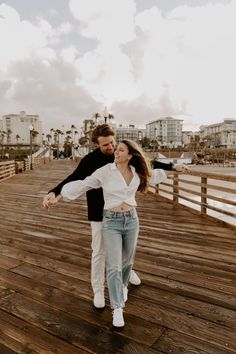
x: 105, y: 20
x: 69, y: 54
x: 142, y: 65
x: 107, y: 74
x: 65, y: 28
x: 106, y: 71
x: 19, y: 40
x: 190, y: 54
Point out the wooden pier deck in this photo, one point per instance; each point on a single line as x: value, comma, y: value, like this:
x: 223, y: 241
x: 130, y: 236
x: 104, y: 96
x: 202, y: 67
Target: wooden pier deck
x: 185, y: 304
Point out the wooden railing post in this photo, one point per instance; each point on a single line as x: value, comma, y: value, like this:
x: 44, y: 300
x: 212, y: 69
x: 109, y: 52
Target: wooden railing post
x: 203, y: 193
x: 176, y: 188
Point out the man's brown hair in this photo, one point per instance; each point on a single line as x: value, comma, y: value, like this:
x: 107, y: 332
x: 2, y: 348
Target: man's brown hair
x: 102, y: 130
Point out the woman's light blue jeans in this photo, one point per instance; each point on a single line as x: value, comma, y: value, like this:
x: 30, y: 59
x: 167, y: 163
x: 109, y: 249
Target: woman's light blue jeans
x: 120, y: 234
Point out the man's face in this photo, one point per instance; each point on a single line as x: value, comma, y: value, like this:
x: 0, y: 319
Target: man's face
x: 107, y: 144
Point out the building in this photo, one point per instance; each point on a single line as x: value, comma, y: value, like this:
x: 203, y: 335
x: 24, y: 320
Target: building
x: 17, y: 127
x: 219, y: 134
x: 166, y: 131
x: 187, y: 137
x: 131, y: 133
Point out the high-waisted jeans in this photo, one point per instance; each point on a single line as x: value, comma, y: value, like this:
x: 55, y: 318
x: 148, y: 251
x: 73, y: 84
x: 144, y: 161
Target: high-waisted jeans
x: 120, y: 234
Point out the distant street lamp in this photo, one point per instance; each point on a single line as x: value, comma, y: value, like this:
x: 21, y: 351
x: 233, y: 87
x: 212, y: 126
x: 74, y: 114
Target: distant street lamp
x: 31, y: 128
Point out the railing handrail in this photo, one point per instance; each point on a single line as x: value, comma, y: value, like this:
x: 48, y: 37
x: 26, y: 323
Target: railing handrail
x: 203, y: 200
x: 211, y: 175
x: 7, y: 169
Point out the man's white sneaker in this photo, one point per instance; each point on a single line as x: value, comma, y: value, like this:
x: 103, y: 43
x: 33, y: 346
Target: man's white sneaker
x: 118, y: 319
x: 99, y: 300
x: 125, y: 293
x: 134, y: 279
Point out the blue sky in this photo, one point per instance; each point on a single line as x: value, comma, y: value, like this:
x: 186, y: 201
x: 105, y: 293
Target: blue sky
x: 143, y: 59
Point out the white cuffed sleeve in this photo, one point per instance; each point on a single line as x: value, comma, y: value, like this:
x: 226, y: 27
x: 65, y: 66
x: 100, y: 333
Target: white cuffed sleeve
x: 75, y: 189
x: 158, y: 176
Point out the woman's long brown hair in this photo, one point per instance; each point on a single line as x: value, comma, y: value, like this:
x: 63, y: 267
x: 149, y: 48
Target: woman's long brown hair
x: 140, y: 163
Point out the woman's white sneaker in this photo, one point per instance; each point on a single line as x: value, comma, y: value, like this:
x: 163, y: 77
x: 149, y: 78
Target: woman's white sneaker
x: 134, y: 279
x: 118, y: 319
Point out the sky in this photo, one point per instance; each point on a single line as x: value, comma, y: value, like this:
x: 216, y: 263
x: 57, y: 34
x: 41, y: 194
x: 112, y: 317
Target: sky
x: 143, y: 59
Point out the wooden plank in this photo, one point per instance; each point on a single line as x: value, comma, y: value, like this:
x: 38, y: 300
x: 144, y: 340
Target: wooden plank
x: 47, y: 263
x: 178, y: 343
x: 187, y: 305
x: 8, y: 262
x: 6, y: 350
x: 69, y: 252
x: 70, y: 298
x: 210, y: 296
x: 67, y: 327
x: 186, y: 302
x: 21, y: 337
x: 218, y: 335
x: 189, y: 259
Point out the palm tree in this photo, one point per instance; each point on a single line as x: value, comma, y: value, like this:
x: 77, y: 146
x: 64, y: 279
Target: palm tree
x: 73, y: 127
x: 17, y: 138
x: 34, y: 134
x: 57, y: 135
x: 96, y: 116
x: 49, y: 137
x: 69, y: 132
x: 17, y: 142
x: 67, y: 146
x: 2, y: 133
x: 52, y: 131
x: 110, y: 116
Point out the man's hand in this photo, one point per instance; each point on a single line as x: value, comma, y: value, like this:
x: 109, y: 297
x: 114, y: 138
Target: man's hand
x: 50, y: 199
x: 181, y: 168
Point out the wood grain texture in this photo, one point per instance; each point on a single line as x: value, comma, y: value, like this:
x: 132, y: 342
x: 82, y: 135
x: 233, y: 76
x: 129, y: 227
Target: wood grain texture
x: 185, y: 304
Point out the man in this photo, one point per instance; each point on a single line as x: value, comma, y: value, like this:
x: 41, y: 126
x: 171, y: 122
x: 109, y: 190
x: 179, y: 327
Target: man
x: 104, y: 137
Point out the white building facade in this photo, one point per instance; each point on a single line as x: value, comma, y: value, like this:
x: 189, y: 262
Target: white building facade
x: 220, y: 134
x: 130, y: 133
x: 166, y: 131
x: 18, y: 126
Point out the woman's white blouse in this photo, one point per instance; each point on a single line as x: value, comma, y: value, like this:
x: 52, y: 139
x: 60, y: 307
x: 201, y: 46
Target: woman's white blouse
x: 115, y: 189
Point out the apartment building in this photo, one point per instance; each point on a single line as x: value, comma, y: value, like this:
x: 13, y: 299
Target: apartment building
x: 219, y: 134
x: 18, y: 126
x: 166, y: 131
x: 131, y: 133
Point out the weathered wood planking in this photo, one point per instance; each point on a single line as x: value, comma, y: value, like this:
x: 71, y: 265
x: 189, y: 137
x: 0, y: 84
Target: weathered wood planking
x: 186, y: 303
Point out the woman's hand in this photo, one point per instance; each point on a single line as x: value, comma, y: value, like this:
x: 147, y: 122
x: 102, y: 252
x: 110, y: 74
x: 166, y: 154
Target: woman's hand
x: 51, y: 199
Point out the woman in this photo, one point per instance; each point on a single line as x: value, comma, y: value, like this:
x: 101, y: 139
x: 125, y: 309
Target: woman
x: 120, y: 180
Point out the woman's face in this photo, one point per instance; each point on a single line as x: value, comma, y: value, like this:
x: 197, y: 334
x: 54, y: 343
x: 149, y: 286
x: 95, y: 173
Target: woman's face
x: 122, y: 153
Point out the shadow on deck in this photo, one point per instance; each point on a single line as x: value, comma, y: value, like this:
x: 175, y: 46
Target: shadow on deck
x: 185, y: 304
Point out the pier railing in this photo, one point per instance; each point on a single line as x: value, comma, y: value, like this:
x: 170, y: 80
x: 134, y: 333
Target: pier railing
x: 11, y: 167
x: 7, y: 169
x: 208, y: 194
